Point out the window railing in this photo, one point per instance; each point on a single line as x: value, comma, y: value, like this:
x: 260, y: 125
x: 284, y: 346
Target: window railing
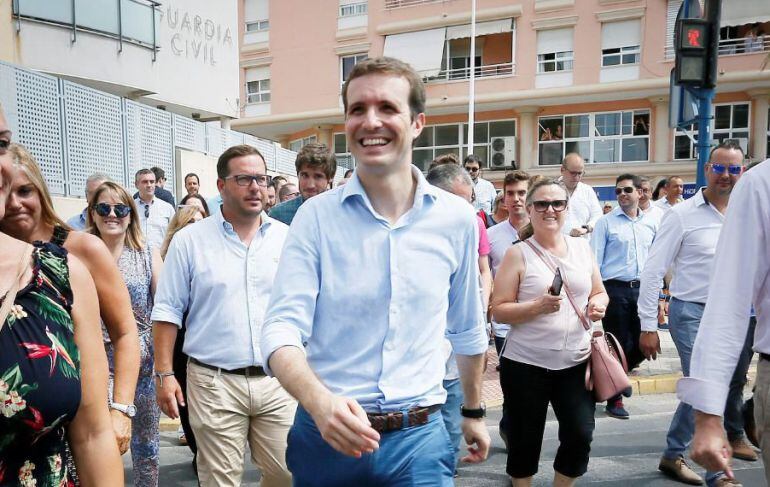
x: 728, y: 47
x: 491, y: 70
x: 391, y: 4
x: 132, y: 21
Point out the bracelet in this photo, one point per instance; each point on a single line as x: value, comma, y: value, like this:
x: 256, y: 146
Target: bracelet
x: 161, y: 375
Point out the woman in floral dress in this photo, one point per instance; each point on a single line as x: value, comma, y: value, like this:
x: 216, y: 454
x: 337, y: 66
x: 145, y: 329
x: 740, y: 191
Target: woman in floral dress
x: 52, y: 366
x: 113, y: 218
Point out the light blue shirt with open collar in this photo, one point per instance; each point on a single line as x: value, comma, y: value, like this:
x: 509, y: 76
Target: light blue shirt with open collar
x: 223, y: 285
x: 372, y: 302
x: 621, y: 244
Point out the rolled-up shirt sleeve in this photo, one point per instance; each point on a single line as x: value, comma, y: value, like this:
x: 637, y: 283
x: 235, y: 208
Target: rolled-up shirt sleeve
x: 737, y: 270
x: 599, y: 240
x: 465, y: 325
x: 290, y: 312
x: 173, y: 293
x: 665, y: 246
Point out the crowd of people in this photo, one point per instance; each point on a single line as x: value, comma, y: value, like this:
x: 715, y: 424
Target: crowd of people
x: 342, y: 332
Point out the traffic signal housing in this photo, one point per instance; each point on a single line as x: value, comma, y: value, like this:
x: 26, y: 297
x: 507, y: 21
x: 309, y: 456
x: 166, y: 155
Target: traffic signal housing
x: 693, y: 53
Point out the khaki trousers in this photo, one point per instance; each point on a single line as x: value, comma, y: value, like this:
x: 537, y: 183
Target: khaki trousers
x: 228, y: 409
x: 762, y: 412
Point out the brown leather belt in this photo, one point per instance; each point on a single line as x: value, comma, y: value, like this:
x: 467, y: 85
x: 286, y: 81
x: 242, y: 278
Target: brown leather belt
x: 249, y: 371
x: 384, y: 422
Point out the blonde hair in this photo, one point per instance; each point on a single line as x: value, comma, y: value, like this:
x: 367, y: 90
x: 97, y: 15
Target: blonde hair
x: 25, y: 162
x: 536, y: 183
x: 134, y: 238
x: 183, y: 217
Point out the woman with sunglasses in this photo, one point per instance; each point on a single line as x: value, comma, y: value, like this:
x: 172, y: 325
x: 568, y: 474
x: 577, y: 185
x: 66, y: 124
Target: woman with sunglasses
x: 53, y: 386
x: 30, y: 217
x: 547, y: 347
x: 113, y: 218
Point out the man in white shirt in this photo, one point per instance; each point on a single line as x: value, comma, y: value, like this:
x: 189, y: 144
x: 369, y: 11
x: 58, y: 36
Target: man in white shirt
x: 646, y: 203
x: 584, y: 209
x: 501, y: 237
x: 739, y: 277
x: 674, y: 191
x: 686, y: 241
x: 154, y: 213
x: 485, y: 191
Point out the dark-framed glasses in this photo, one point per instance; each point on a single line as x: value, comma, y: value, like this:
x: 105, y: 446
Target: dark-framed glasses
x: 542, y: 206
x: 625, y: 189
x: 732, y: 169
x: 246, y: 179
x: 104, y: 209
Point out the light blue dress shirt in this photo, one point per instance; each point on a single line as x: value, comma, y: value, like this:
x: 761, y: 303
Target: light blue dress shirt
x: 373, y: 301
x: 621, y: 244
x: 223, y: 285
x: 78, y: 222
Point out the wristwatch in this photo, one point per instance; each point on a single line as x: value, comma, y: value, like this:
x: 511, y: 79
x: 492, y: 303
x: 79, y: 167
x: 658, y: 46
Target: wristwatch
x: 479, y: 413
x: 127, y: 409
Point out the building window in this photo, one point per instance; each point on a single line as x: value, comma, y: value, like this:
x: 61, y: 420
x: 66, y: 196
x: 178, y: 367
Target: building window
x: 620, y: 55
x: 342, y: 152
x: 731, y: 121
x: 598, y: 137
x: 258, y: 26
x: 554, y: 50
x: 436, y: 140
x: 554, y: 61
x: 621, y: 43
x: 298, y: 144
x: 347, y: 63
x: 258, y: 91
x: 352, y: 9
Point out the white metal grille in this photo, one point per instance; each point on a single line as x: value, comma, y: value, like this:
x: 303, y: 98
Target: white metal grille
x: 285, y: 161
x: 148, y: 140
x: 265, y: 147
x: 234, y: 138
x: 189, y: 134
x: 94, y: 135
x: 36, y: 121
x: 217, y: 140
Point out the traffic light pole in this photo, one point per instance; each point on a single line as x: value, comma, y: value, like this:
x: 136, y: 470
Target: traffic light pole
x: 704, y: 96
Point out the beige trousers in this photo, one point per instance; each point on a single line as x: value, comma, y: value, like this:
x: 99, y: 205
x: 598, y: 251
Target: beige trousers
x: 226, y: 410
x: 762, y: 412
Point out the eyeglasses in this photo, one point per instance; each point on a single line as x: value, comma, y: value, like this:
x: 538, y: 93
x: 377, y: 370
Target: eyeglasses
x: 575, y: 174
x: 625, y: 189
x: 104, y: 209
x: 733, y: 169
x: 246, y: 179
x: 557, y: 205
x: 472, y: 169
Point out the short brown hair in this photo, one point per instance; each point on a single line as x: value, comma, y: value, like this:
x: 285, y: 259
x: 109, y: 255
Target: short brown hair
x: 235, y: 151
x: 450, y: 158
x: 515, y: 177
x: 395, y: 67
x: 317, y: 155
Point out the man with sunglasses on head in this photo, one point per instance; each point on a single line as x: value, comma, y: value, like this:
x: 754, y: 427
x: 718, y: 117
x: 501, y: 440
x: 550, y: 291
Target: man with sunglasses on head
x: 484, y: 190
x: 218, y: 277
x: 686, y: 242
x: 154, y: 213
x: 621, y: 242
x: 584, y: 208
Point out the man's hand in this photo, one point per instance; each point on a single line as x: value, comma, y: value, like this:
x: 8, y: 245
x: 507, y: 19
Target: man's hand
x: 121, y: 424
x: 710, y: 447
x: 344, y: 425
x: 170, y: 396
x: 578, y: 232
x: 477, y: 437
x: 649, y: 344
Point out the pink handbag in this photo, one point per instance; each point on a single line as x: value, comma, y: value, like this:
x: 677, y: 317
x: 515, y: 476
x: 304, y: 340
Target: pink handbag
x: 606, y: 371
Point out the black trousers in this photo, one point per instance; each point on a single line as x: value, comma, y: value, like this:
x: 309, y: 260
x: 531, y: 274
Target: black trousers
x: 180, y: 374
x: 622, y: 320
x: 528, y: 390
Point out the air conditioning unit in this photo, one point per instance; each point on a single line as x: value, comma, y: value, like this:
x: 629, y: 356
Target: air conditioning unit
x: 503, y: 153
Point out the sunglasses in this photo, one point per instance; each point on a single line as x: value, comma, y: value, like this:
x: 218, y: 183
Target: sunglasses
x: 733, y: 169
x: 625, y: 189
x: 104, y: 209
x: 542, y: 206
x: 472, y: 169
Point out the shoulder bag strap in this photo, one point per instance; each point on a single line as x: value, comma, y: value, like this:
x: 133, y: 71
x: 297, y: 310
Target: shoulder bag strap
x: 567, y: 291
x: 10, y: 296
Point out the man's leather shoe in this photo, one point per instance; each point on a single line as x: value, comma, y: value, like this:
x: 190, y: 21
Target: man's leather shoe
x: 616, y: 409
x: 743, y: 450
x: 678, y: 469
x: 723, y: 481
x: 749, y: 425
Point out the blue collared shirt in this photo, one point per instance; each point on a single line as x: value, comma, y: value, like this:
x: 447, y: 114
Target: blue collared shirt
x: 223, y: 285
x: 373, y: 301
x: 78, y: 222
x: 285, y: 212
x: 621, y: 244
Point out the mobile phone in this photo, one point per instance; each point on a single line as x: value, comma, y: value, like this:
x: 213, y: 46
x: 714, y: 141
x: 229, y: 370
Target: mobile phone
x: 555, y: 288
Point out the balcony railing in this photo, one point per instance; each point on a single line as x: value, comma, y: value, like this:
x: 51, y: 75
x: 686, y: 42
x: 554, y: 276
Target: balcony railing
x: 729, y: 47
x: 391, y: 4
x: 491, y: 70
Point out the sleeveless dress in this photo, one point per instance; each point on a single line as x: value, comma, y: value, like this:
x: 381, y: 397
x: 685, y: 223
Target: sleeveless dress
x: 39, y: 376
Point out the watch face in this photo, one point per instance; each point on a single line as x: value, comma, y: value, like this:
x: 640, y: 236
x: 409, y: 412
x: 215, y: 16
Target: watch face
x: 131, y: 410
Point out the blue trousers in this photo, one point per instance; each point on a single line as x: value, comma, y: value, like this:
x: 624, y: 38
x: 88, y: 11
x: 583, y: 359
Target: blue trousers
x: 684, y: 318
x: 450, y: 412
x: 415, y: 456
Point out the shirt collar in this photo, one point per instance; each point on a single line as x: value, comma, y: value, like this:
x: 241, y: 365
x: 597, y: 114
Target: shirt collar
x: 423, y: 190
x: 699, y: 198
x: 618, y: 211
x: 139, y: 201
x: 227, y: 227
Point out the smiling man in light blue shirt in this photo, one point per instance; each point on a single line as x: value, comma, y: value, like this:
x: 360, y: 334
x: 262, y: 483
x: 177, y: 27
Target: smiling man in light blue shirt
x: 373, y: 276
